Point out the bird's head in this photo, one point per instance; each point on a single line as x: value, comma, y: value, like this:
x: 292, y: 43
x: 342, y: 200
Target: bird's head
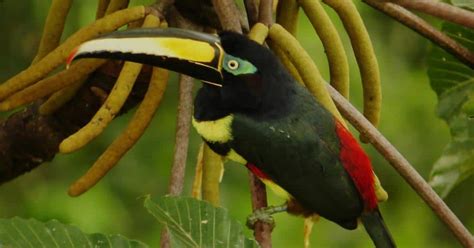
x: 242, y: 72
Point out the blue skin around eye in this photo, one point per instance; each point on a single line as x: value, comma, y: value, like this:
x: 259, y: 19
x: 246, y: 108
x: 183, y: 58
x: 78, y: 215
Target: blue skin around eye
x: 244, y: 67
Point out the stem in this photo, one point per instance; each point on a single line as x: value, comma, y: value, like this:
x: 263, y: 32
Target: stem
x: 228, y: 14
x: 251, y: 7
x: 183, y: 124
x: 262, y: 231
x: 265, y: 13
x: 423, y: 28
x: 403, y: 167
x: 442, y: 10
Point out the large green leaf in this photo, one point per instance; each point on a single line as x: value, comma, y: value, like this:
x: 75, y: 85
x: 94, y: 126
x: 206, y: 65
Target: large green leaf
x: 453, y: 82
x: 20, y: 233
x: 194, y: 223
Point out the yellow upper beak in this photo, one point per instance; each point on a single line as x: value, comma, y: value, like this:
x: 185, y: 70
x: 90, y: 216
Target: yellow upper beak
x: 196, y: 54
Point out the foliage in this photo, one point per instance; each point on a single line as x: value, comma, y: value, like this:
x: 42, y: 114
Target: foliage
x: 453, y: 82
x: 17, y: 233
x: 194, y: 223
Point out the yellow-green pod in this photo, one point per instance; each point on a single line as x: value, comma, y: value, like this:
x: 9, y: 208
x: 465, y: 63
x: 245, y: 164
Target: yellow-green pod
x: 287, y: 15
x: 55, y: 58
x: 213, y: 169
x: 53, y: 27
x: 135, y: 129
x: 337, y: 59
x: 48, y: 86
x: 258, y: 33
x: 196, y: 191
x: 111, y: 107
x: 59, y: 98
x: 116, y: 5
x: 365, y: 56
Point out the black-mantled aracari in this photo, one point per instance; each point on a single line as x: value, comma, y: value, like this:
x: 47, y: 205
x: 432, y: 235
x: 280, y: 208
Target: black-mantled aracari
x: 251, y: 110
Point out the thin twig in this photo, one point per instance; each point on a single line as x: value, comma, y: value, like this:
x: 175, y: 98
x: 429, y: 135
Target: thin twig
x: 251, y: 7
x: 183, y: 124
x: 261, y: 230
x: 403, y: 167
x: 420, y: 26
x: 442, y: 10
x: 228, y: 14
x: 185, y: 110
x: 265, y: 12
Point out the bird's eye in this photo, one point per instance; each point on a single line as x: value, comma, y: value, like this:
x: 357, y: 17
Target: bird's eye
x: 233, y: 64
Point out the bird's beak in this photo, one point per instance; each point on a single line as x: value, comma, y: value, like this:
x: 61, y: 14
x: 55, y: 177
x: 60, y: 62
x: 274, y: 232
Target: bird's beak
x: 196, y: 54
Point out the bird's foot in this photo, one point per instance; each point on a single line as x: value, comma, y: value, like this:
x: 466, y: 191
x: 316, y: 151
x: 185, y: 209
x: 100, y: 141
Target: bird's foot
x: 265, y: 215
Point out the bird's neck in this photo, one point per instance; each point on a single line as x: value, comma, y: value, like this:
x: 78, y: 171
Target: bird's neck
x: 210, y: 105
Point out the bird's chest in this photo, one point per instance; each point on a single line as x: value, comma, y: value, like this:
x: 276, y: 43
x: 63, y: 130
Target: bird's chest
x: 220, y: 136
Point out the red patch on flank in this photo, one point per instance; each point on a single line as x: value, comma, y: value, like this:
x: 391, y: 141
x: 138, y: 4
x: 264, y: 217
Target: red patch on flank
x: 71, y: 56
x: 358, y: 165
x: 257, y: 172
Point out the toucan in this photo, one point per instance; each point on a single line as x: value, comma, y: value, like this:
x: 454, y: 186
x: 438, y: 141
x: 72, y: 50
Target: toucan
x: 251, y: 110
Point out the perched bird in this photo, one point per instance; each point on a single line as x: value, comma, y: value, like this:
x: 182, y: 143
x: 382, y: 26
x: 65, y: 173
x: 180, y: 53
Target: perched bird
x: 251, y: 110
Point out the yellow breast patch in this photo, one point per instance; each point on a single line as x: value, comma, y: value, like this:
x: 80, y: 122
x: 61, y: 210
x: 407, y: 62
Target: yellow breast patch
x: 215, y: 131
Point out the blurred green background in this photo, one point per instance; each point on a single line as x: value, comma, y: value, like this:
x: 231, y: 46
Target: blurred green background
x: 115, y: 206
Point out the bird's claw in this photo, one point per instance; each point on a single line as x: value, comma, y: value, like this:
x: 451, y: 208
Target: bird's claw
x: 260, y: 215
x: 265, y: 215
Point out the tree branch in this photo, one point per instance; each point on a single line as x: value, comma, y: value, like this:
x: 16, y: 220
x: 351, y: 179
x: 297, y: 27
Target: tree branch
x: 442, y: 10
x: 251, y: 7
x: 265, y: 12
x: 403, y: 167
x: 228, y: 14
x: 201, y: 12
x: 261, y: 230
x: 27, y: 139
x: 183, y: 125
x: 423, y: 28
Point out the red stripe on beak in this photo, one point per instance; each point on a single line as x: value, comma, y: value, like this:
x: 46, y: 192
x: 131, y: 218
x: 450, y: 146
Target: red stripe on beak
x: 71, y: 57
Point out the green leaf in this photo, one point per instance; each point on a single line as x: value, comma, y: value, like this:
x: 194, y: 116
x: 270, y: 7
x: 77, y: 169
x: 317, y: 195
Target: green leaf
x: 194, y: 223
x: 453, y: 82
x: 18, y: 232
x: 463, y: 3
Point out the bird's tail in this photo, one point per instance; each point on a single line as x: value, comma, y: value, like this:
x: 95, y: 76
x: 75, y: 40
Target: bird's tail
x: 377, y: 230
